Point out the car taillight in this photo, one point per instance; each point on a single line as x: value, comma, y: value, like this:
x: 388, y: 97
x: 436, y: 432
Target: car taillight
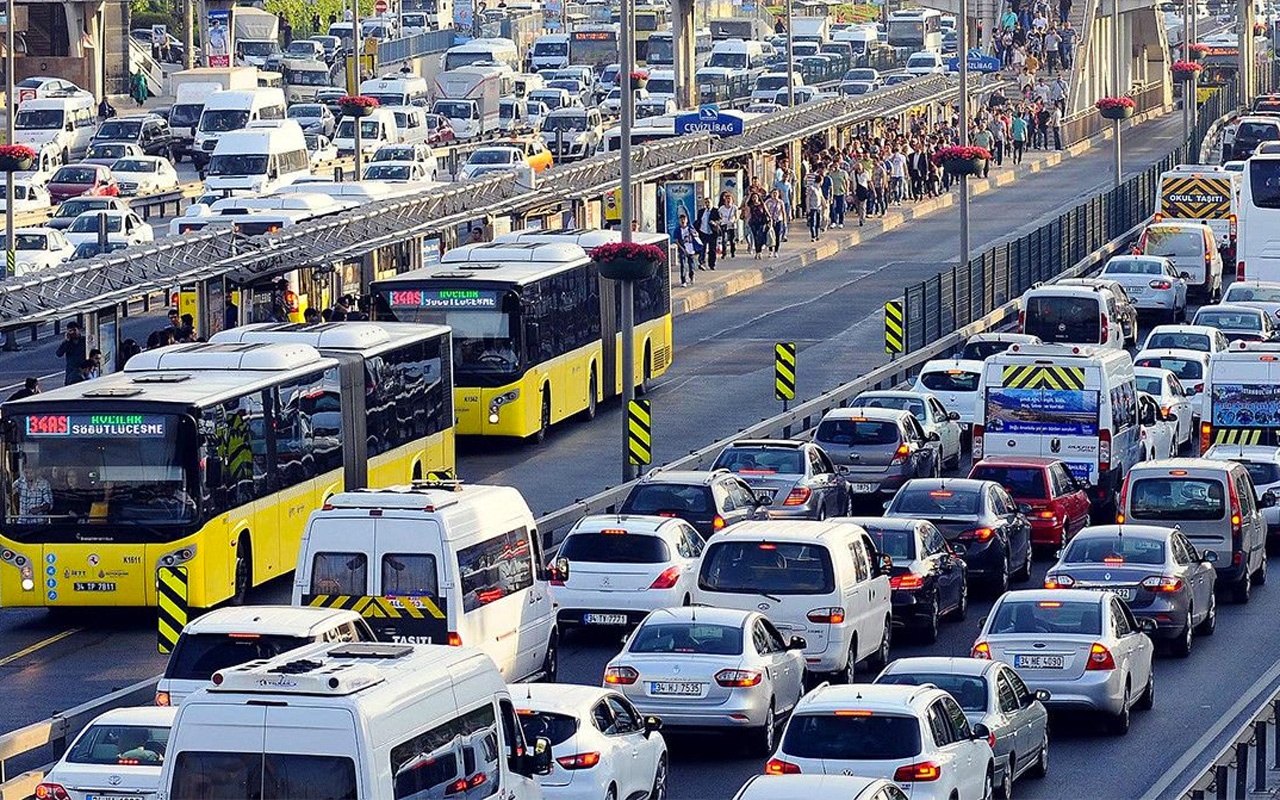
x: 1099, y: 659
x: 1237, y: 521
x: 798, y: 497
x: 900, y: 455
x: 977, y: 535
x: 976, y: 447
x: 1240, y: 270
x: 1157, y: 217
x: 579, y: 760
x: 621, y: 676
x: 1197, y: 388
x: 667, y: 579
x: 981, y: 650
x: 162, y: 698
x: 777, y: 766
x: 1052, y: 581
x: 1124, y: 497
x: 454, y: 640
x: 833, y: 615
x: 1022, y: 321
x: 1206, y: 435
x: 739, y: 678
x: 717, y: 522
x: 1162, y: 583
x: 1234, y: 225
x: 1160, y: 285
x: 54, y: 791
x: 908, y: 581
x: 1042, y: 512
x: 1104, y: 450
x: 920, y: 772
x: 554, y: 576
x: 457, y: 787
x: 476, y: 780
x: 1106, y: 328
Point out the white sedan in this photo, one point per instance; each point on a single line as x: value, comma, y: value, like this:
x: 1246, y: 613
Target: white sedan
x: 122, y: 226
x: 601, y: 746
x: 27, y: 196
x: 1152, y: 283
x: 119, y: 754
x: 1165, y: 388
x: 144, y: 175
x: 397, y: 172
x: 1257, y: 294
x: 1159, y: 436
x: 39, y: 248
x: 320, y: 149
x: 487, y: 160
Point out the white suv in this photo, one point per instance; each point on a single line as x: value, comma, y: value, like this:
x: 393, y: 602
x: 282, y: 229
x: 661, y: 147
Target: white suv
x: 915, y: 735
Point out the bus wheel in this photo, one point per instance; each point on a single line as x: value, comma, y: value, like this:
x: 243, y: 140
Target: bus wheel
x: 590, y: 412
x: 244, y: 571
x: 545, y: 422
x: 643, y: 388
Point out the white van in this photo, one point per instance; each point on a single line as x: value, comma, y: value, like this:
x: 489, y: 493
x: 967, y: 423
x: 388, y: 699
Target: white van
x: 411, y: 124
x: 1079, y: 404
x: 1239, y: 405
x: 66, y: 122
x: 1072, y: 315
x: 377, y: 129
x: 550, y: 51
x: 823, y: 581
x: 228, y: 636
x: 264, y: 156
x: 437, y: 562
x: 348, y: 721
x: 398, y: 89
x: 231, y: 111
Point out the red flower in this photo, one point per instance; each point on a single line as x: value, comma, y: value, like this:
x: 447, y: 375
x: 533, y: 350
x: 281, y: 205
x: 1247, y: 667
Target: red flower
x: 958, y: 153
x: 1115, y: 102
x: 639, y: 75
x: 1186, y: 66
x: 630, y: 251
x: 17, y: 152
x: 358, y: 100
x: 1198, y: 47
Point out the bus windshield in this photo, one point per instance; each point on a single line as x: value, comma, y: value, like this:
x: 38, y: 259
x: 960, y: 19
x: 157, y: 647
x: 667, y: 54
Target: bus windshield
x: 906, y: 33
x: 486, y: 344
x: 89, y: 469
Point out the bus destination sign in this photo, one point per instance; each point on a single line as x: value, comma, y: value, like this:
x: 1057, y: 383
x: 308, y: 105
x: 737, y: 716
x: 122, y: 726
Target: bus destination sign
x: 143, y: 425
x: 444, y: 298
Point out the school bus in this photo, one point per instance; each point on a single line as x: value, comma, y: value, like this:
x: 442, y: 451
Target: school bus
x: 207, y: 456
x: 530, y: 318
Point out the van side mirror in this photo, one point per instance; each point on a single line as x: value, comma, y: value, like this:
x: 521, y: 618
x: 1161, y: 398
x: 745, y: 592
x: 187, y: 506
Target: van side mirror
x: 652, y: 725
x: 1268, y: 499
x: 1042, y: 695
x: 1209, y: 557
x: 933, y: 437
x: 560, y: 569
x: 954, y: 416
x: 797, y: 643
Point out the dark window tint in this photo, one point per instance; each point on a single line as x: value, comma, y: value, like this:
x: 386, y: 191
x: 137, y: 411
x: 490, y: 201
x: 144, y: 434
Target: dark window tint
x: 857, y: 432
x: 930, y: 503
x: 1152, y: 385
x: 1064, y: 319
x: 757, y: 460
x: 458, y: 752
x: 979, y: 351
x: 1262, y: 472
x: 495, y: 568
x: 340, y: 573
x: 120, y: 744
x: 1230, y: 320
x: 1047, y: 617
x: 914, y: 405
x: 688, y: 637
x: 1177, y: 498
x: 674, y: 498
x: 1264, y: 182
x: 1021, y: 482
x: 755, y: 567
x: 1257, y: 132
x: 1184, y: 341
x: 405, y: 394
x: 951, y: 380
x: 615, y: 548
x: 410, y: 575
x: 870, y: 738
x: 1128, y: 549
x: 900, y: 545
x: 199, y: 656
x: 555, y: 727
x: 235, y: 776
x: 970, y: 691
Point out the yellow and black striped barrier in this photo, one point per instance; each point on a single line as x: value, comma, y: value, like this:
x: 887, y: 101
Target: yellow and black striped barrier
x: 639, y: 433
x: 1035, y: 377
x: 894, y: 336
x: 171, y: 590
x: 784, y: 371
x: 1238, y: 436
x: 374, y: 607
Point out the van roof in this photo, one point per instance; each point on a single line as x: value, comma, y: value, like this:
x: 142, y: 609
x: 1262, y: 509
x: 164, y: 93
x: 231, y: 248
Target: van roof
x: 789, y: 530
x: 1167, y: 465
x: 427, y: 496
x: 269, y: 620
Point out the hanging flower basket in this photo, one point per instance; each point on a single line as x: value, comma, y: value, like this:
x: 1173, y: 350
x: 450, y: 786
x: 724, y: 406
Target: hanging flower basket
x: 639, y: 79
x: 1116, y: 107
x: 962, y: 160
x: 357, y: 105
x: 627, y: 261
x: 16, y: 158
x: 1186, y: 71
x: 1197, y: 50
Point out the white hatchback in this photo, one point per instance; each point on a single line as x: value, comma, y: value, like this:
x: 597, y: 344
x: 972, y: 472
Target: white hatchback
x: 955, y: 383
x: 119, y: 755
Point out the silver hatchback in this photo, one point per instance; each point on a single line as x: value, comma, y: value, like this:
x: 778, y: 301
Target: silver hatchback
x: 882, y: 447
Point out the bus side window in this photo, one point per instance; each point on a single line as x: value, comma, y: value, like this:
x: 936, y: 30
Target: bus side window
x: 294, y: 429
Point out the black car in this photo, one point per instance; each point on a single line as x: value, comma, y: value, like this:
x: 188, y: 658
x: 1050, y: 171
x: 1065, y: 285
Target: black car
x: 150, y: 132
x: 980, y: 521
x: 1253, y: 131
x: 709, y: 501
x: 928, y: 580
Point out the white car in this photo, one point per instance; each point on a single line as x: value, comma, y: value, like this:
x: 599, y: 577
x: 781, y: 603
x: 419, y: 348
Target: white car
x: 320, y: 149
x: 982, y: 346
x: 1186, y: 337
x: 108, y: 153
x: 1263, y: 464
x: 40, y: 86
x: 27, y: 196
x: 421, y: 153
x: 928, y: 411
x: 925, y: 63
x: 811, y: 787
x: 955, y: 382
x: 486, y: 160
x: 39, y: 248
x: 397, y: 172
x: 122, y: 226
x: 1190, y: 367
x: 1085, y: 648
x: 119, y: 755
x: 601, y: 746
x: 615, y: 569
x: 144, y: 175
x: 762, y: 107
x: 1257, y: 294
x: 1165, y: 388
x: 916, y: 736
x: 1158, y: 436
x: 1151, y: 282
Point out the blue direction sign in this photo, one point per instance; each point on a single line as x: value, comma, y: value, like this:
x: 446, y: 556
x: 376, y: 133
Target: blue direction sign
x: 709, y: 119
x: 977, y: 63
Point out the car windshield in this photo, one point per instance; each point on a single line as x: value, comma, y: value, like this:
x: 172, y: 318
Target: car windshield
x: 1021, y: 482
x: 565, y: 122
x: 687, y: 637
x: 493, y: 157
x: 91, y: 249
x: 1229, y: 320
x: 615, y: 546
x: 74, y: 175
x: 980, y: 351
x: 932, y: 503
x: 950, y: 380
x: 1171, y: 497
x: 112, y: 151
x: 251, y: 48
x: 854, y: 88
x: 1251, y: 294
x: 200, y: 655
x: 1174, y: 242
x: 135, y: 165
x: 661, y: 86
x: 1186, y: 369
x: 1134, y: 266
x: 393, y: 154
x: 76, y: 206
x: 1126, y: 548
x: 860, y: 75
x: 556, y: 728
x: 1150, y: 384
x: 1063, y: 318
x: 28, y: 241
x: 1179, y: 341
x: 921, y: 61
x: 776, y: 568
x: 119, y: 129
x: 771, y: 83
x: 897, y: 543
x: 305, y: 111
x: 1047, y: 616
x: 369, y: 129
x: 233, y: 164
x: 114, y: 745
x: 848, y: 432
x: 388, y: 172
x: 653, y: 498
x: 762, y: 460
x: 38, y: 119
x: 970, y: 691
x: 852, y: 737
x: 912, y: 404
x: 88, y: 223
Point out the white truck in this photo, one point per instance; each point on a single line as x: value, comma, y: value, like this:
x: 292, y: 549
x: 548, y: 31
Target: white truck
x: 811, y: 29
x: 257, y: 35
x: 190, y: 88
x: 469, y: 98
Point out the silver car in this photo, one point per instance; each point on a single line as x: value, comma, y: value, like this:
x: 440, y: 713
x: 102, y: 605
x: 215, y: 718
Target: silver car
x: 1126, y: 309
x: 1152, y: 282
x: 1086, y: 649
x: 1263, y: 464
x: 990, y: 693
x: 1258, y: 294
x: 794, y: 479
x: 882, y: 447
x: 707, y: 668
x: 928, y: 411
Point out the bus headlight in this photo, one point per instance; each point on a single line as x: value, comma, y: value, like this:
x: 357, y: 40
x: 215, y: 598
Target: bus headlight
x: 28, y: 578
x: 179, y: 556
x: 500, y: 401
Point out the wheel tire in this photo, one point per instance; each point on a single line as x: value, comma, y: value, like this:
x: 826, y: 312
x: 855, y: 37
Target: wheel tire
x: 243, y: 575
x: 1243, y: 589
x: 962, y: 608
x: 1004, y: 789
x: 541, y: 435
x: 929, y: 631
x: 849, y: 674
x: 592, y: 393
x: 1210, y: 622
x: 1120, y: 722
x: 644, y: 387
x: 659, y: 790
x: 1147, y: 700
x: 1000, y: 584
x: 936, y: 470
x: 1260, y: 577
x: 880, y: 658
x: 988, y: 784
x: 762, y: 738
x: 551, y: 661
x: 1181, y: 646
x: 1040, y: 769
x: 1024, y: 572
x: 612, y: 794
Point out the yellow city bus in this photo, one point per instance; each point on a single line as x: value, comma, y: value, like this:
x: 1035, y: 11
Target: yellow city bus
x: 648, y: 20
x: 205, y: 456
x: 530, y: 315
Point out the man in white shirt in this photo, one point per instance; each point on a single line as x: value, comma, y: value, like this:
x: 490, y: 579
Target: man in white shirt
x: 897, y: 174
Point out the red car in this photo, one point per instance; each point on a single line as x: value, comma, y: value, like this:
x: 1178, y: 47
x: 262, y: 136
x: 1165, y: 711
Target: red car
x: 439, y: 131
x: 90, y: 180
x: 1059, y: 504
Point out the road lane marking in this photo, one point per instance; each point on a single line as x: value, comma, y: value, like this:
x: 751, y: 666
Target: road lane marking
x: 26, y: 651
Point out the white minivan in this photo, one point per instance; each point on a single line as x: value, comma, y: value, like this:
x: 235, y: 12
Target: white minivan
x: 377, y: 129
x: 226, y: 111
x: 351, y: 721
x: 821, y: 580
x: 66, y: 122
x: 261, y: 158
x: 1072, y: 315
x: 436, y: 562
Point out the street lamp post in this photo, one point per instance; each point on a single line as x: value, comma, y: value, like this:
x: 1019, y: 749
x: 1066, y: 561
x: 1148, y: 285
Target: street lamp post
x: 962, y: 29
x: 626, y: 288
x: 1116, y: 80
x: 1188, y: 87
x: 791, y: 63
x: 10, y: 99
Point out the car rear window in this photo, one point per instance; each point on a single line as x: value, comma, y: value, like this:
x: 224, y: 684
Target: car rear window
x: 200, y: 655
x: 1150, y: 384
x: 898, y: 544
x: 929, y: 503
x: 878, y: 737
x: 688, y: 637
x: 951, y: 380
x: 1134, y: 266
x: 776, y: 568
x: 980, y: 351
x: 1262, y: 472
x: 285, y: 776
x: 1229, y: 320
x: 1063, y: 319
x: 1251, y: 294
x: 1021, y: 482
x: 910, y: 404
x: 1171, y: 497
x: 556, y: 727
x: 970, y: 691
x: 1048, y: 616
x: 1118, y: 550
x: 1260, y: 131
x: 673, y: 498
x: 758, y: 460
x: 857, y: 432
x: 1184, y: 368
x: 1170, y: 242
x: 1179, y: 341
x: 615, y: 548
x: 120, y: 744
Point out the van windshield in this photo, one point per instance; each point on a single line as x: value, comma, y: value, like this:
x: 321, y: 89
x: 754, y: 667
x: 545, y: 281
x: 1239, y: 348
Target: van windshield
x: 235, y: 776
x: 200, y: 655
x: 222, y: 120
x: 776, y: 568
x: 1064, y: 319
x: 238, y: 164
x: 730, y: 60
x: 39, y: 119
x: 119, y: 129
x: 1174, y: 242
x: 1177, y: 498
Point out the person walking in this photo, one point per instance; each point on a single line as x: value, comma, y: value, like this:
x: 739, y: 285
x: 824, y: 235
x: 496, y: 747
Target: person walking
x: 1066, y: 50
x: 776, y: 208
x: 1052, y: 47
x: 708, y: 227
x: 1055, y: 127
x: 138, y: 87
x: 73, y: 350
x: 1064, y: 11
x: 729, y: 215
x: 981, y: 137
x: 838, y: 191
x: 688, y: 248
x: 758, y: 224
x: 1018, y: 136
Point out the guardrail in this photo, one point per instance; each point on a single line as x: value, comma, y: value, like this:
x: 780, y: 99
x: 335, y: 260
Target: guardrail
x: 407, y: 47
x: 1247, y: 764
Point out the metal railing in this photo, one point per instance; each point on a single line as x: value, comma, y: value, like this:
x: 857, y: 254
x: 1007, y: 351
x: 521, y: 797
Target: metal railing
x: 1247, y: 765
x: 407, y: 47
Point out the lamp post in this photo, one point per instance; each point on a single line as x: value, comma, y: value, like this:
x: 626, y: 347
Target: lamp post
x: 1116, y: 80
x: 626, y: 288
x: 791, y: 63
x: 962, y: 26
x: 10, y: 257
x: 1187, y: 86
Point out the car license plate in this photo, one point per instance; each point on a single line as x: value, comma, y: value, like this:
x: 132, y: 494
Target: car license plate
x: 604, y: 619
x: 863, y: 488
x: 677, y: 688
x: 94, y: 586
x: 1039, y: 662
x: 1125, y: 593
x: 113, y: 797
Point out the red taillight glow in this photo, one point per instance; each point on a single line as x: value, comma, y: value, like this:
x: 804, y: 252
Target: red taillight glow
x: 1162, y: 583
x: 1206, y: 435
x: 1104, y: 450
x: 457, y: 787
x: 1237, y: 522
x: 798, y: 497
x: 739, y: 678
x: 579, y: 761
x: 162, y: 698
x: 554, y: 576
x: 921, y: 772
x: 454, y: 640
x: 621, y: 676
x: 976, y: 446
x: 1161, y: 285
x: 981, y: 650
x: 978, y: 535
x: 1048, y: 513
x: 832, y: 615
x: 908, y: 581
x: 1099, y: 659
x: 1113, y: 560
x: 667, y: 579
x: 1022, y: 321
x: 1239, y: 270
x: 717, y: 522
x: 900, y: 455
x: 1105, y: 323
x: 54, y: 791
x: 777, y: 766
x: 1059, y: 581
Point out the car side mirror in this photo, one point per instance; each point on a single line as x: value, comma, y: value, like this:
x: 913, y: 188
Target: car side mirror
x: 1147, y: 625
x: 954, y: 416
x: 1186, y: 276
x: 980, y: 732
x: 1023, y: 508
x: 842, y: 469
x: 885, y: 563
x: 560, y: 569
x: 652, y: 725
x: 797, y: 643
x: 1209, y: 557
x: 933, y: 437
x: 1042, y: 695
x: 1268, y: 499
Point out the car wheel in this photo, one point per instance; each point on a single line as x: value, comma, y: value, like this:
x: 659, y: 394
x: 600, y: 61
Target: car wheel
x: 1000, y: 583
x: 1040, y: 769
x: 1005, y: 789
x: 1260, y: 577
x: 1181, y: 646
x: 962, y: 605
x: 590, y: 412
x: 545, y: 418
x: 1243, y: 589
x: 659, y: 790
x: 1148, y: 698
x: 848, y: 675
x: 1024, y: 572
x: 880, y: 658
x: 988, y: 783
x: 762, y: 742
x: 1210, y: 622
x: 551, y: 661
x: 929, y: 631
x: 1120, y: 722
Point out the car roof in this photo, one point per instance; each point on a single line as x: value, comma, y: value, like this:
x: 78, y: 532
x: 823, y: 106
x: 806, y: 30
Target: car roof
x: 269, y: 620
x: 940, y: 364
x: 1040, y: 595
x: 631, y: 523
x: 1235, y: 452
x: 867, y: 697
x: 945, y: 664
x: 788, y: 787
x: 803, y: 531
x: 1172, y: 352
x: 1017, y: 461
x: 904, y: 394
x: 883, y: 523
x: 563, y: 698
x: 793, y: 444
x: 1003, y: 336
x: 710, y: 614
x: 868, y: 412
x: 1127, y: 529
x: 968, y: 484
x: 154, y: 716
x: 686, y: 476
x: 1234, y: 308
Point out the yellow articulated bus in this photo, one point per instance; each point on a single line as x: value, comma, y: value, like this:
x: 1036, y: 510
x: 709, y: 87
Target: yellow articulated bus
x: 206, y: 456
x: 530, y: 317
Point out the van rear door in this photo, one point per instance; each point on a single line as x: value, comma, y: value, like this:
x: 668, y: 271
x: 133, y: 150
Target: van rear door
x: 407, y: 576
x: 1241, y: 399
x: 1041, y: 409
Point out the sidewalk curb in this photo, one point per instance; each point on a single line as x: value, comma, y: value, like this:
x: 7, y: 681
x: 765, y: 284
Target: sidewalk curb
x: 741, y: 280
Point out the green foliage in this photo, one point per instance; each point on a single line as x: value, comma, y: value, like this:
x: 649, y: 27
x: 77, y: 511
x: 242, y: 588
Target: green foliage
x: 299, y: 12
